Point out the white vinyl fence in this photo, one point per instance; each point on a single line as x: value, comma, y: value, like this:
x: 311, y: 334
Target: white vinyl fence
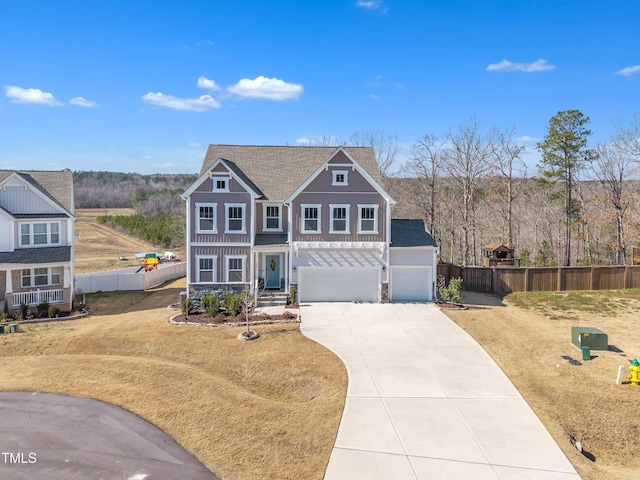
x: 128, y: 279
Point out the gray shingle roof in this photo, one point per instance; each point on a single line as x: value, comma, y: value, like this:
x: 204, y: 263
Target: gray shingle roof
x: 278, y: 170
x: 37, y: 255
x: 410, y: 233
x: 271, y: 239
x: 57, y: 185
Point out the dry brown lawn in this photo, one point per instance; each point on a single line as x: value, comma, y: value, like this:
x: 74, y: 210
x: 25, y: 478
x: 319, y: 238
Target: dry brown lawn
x: 532, y: 344
x: 248, y: 410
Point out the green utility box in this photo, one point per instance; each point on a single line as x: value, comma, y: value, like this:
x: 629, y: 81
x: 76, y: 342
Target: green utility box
x: 589, y: 337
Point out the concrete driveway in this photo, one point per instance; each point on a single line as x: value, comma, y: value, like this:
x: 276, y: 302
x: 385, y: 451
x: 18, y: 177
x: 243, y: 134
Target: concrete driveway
x: 425, y: 401
x: 47, y: 436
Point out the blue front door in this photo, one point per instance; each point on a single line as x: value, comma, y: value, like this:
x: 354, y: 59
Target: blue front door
x: 273, y: 271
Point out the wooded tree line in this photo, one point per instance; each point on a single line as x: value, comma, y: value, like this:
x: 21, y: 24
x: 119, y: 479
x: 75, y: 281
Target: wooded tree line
x: 579, y: 207
x: 149, y: 194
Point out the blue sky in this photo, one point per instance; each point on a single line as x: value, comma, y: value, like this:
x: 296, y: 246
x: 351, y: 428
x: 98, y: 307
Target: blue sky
x: 146, y: 85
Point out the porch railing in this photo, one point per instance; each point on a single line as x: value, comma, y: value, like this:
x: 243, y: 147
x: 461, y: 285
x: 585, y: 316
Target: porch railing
x: 37, y: 297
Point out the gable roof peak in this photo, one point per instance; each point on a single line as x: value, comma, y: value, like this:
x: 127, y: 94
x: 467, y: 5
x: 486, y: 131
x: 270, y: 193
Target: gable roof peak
x: 278, y: 170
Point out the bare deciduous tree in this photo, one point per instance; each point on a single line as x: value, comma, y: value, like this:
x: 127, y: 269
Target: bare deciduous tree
x: 506, y: 159
x: 385, y: 147
x: 613, y: 168
x: 426, y: 157
x: 467, y: 162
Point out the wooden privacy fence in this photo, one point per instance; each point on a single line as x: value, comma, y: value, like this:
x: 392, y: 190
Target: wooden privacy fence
x: 503, y: 280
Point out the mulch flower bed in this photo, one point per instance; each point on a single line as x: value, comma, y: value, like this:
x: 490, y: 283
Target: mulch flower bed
x: 442, y: 305
x: 225, y: 320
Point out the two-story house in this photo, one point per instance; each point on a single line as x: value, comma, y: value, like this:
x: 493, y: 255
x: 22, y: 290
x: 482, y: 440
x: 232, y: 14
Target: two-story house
x: 314, y: 218
x: 36, y: 238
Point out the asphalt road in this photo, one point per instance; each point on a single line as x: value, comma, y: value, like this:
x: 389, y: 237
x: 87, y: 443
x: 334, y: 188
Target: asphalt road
x: 46, y: 436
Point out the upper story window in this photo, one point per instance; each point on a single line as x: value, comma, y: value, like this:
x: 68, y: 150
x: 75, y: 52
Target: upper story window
x: 367, y: 218
x: 40, y: 233
x: 272, y: 218
x: 311, y: 218
x: 339, y: 219
x: 220, y: 183
x: 340, y: 177
x: 235, y: 220
x: 207, y: 222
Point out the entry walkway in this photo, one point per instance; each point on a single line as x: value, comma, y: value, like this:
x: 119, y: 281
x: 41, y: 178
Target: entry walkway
x: 425, y: 401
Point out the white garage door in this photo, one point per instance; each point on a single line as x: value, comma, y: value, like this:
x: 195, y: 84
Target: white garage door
x: 411, y: 284
x: 338, y: 284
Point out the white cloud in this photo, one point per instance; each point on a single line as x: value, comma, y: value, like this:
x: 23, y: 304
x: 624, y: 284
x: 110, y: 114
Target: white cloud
x: 266, y: 88
x: 305, y: 141
x: 200, y: 104
x: 369, y: 4
x: 507, y: 66
x: 527, y: 139
x: 204, y: 82
x: 33, y: 96
x: 628, y: 71
x: 82, y: 102
x: 193, y: 145
x: 373, y: 96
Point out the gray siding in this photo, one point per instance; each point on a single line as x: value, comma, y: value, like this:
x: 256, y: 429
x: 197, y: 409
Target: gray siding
x: 260, y: 218
x: 220, y: 252
x: 353, y: 199
x: 220, y: 199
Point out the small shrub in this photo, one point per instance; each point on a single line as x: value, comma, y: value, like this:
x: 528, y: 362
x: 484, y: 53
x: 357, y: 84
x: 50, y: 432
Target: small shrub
x: 233, y: 302
x: 3, y: 317
x: 452, y: 292
x: 294, y: 295
x: 23, y: 312
x: 210, y: 304
x: 53, y: 311
x: 187, y: 306
x: 6, y: 308
x: 43, y: 309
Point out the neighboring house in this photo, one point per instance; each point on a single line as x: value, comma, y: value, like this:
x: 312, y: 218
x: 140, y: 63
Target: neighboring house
x: 36, y: 238
x: 314, y: 218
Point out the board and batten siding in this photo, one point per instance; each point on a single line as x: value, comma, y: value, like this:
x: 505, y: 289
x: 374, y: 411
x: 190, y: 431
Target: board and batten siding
x: 19, y: 200
x: 220, y: 199
x: 353, y: 199
x: 220, y: 253
x: 284, y: 215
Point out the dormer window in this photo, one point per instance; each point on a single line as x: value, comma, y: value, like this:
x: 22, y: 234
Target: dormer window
x: 340, y: 178
x: 220, y: 184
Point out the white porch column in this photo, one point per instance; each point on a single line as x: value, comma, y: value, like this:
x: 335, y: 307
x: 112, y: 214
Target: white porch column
x: 8, y: 283
x: 286, y: 271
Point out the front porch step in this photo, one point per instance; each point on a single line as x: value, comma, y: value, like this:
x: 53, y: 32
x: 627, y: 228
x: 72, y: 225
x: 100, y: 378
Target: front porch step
x: 273, y: 299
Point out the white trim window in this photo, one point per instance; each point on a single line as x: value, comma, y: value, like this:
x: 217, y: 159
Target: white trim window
x: 206, y: 272
x: 40, y: 276
x: 207, y: 218
x: 368, y: 219
x: 340, y: 178
x: 235, y: 218
x: 311, y: 217
x: 235, y: 268
x: 39, y: 233
x: 220, y: 183
x: 272, y: 218
x: 339, y: 219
